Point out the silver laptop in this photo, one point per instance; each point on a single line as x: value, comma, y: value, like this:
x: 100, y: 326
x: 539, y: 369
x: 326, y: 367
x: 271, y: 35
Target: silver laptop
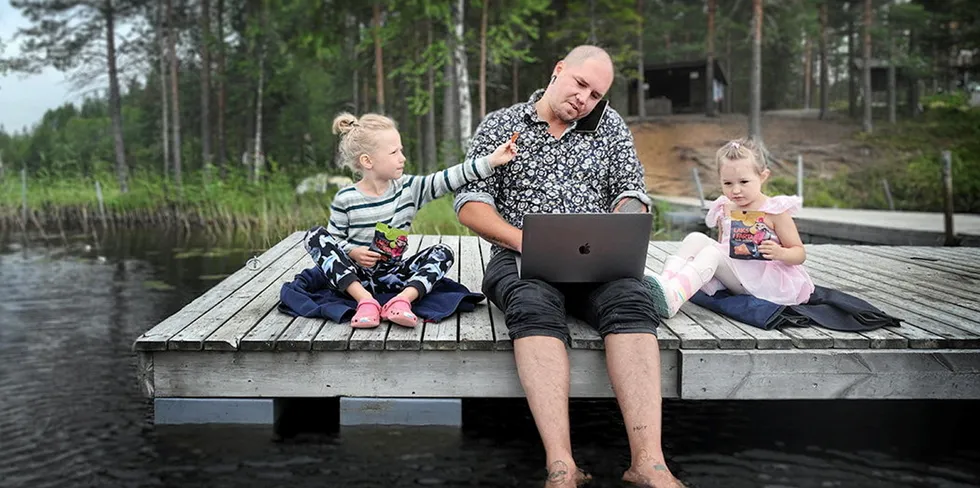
x: 584, y: 248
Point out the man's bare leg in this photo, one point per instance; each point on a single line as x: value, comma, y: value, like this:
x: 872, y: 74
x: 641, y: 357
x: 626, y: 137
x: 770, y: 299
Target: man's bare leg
x: 542, y: 365
x: 633, y: 361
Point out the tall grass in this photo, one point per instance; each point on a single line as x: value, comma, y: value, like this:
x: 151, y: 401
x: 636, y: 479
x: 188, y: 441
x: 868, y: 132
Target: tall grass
x: 227, y: 203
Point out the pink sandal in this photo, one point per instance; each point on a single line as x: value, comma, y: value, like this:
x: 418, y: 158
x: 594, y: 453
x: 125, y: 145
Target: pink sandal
x: 368, y: 314
x: 399, y: 311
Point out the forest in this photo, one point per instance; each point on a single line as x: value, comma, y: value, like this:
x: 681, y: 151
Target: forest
x: 212, y: 112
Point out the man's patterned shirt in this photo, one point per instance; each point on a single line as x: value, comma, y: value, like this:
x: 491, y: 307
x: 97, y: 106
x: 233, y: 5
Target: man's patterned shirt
x: 580, y: 172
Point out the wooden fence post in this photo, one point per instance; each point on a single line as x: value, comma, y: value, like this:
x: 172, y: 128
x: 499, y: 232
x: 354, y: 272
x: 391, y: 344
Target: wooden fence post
x: 697, y: 183
x: 948, y: 198
x: 799, y: 175
x: 23, y: 197
x: 888, y: 194
x: 98, y: 195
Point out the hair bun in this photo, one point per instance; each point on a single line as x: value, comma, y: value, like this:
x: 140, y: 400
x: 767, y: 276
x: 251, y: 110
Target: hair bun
x: 344, y: 123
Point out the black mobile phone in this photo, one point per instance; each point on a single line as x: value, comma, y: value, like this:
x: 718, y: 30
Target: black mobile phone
x: 590, y: 122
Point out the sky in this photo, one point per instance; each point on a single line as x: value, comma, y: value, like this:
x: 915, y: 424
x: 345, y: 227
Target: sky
x: 24, y: 99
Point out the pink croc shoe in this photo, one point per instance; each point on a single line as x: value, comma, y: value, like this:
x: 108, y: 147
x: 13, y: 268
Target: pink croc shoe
x: 399, y: 311
x: 368, y: 314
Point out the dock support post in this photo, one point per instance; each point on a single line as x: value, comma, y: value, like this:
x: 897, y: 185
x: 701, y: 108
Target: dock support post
x: 293, y: 416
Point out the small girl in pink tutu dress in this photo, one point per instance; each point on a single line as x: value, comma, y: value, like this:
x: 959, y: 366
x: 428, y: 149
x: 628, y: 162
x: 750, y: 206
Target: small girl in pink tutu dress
x: 766, y: 262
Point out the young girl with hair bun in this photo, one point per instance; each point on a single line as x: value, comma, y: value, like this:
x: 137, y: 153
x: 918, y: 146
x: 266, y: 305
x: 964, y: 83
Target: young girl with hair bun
x: 380, y: 205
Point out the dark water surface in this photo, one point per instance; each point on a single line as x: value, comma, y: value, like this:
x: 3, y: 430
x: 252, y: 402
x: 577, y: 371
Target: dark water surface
x: 71, y: 414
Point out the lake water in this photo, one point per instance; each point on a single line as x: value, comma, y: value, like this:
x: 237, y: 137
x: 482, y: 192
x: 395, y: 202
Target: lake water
x: 71, y: 414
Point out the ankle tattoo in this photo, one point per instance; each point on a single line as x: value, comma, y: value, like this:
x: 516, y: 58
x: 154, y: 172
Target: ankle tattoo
x: 558, y: 472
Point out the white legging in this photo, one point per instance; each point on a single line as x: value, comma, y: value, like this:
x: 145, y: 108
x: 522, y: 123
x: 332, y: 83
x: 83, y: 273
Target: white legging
x: 703, y: 254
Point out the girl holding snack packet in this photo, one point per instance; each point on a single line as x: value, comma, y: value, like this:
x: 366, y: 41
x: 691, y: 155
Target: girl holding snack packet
x: 363, y: 245
x: 759, y: 250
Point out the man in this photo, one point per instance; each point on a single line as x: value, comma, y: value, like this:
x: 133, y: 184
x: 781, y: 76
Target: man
x: 570, y: 162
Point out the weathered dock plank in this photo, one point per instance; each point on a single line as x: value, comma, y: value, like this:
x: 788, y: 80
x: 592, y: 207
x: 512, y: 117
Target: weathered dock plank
x: 263, y: 336
x: 156, y: 338
x: 192, y: 337
x: 583, y: 336
x: 299, y: 335
x: 936, y: 283
x: 825, y: 374
x: 475, y: 328
x: 729, y: 336
x: 332, y: 337
x: 861, y: 285
x: 900, y: 295
x: 920, y: 330
x: 400, y: 374
x: 923, y: 257
x: 231, y: 333
x: 501, y: 338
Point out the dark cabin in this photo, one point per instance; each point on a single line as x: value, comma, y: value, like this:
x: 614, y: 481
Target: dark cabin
x: 879, y: 74
x: 682, y: 83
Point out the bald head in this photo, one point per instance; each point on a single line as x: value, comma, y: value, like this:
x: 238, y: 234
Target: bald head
x: 578, y: 82
x: 585, y: 52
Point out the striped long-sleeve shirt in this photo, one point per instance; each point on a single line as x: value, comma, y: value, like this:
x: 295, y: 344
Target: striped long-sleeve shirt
x: 354, y: 215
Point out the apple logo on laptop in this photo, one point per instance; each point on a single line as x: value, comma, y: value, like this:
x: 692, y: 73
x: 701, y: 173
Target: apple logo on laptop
x: 584, y: 249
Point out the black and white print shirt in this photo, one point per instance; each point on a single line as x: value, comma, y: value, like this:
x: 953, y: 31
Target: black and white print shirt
x: 580, y: 172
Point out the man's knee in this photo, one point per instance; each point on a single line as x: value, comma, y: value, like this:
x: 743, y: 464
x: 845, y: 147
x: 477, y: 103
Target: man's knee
x: 531, y: 307
x: 534, y: 308
x: 623, y: 306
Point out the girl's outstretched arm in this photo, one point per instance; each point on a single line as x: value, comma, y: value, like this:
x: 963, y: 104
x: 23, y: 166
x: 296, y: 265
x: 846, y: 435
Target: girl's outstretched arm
x: 791, y: 251
x: 427, y: 188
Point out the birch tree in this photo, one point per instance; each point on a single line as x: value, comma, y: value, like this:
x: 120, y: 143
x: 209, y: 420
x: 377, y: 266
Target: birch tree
x: 755, y: 78
x: 462, y: 76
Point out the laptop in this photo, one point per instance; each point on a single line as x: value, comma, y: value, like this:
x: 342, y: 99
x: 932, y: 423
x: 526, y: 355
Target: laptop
x: 584, y: 248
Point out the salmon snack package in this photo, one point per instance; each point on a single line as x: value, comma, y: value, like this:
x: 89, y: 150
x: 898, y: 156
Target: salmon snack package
x: 749, y: 229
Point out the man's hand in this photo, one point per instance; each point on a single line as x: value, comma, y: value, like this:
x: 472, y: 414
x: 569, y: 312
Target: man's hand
x: 364, y: 256
x: 630, y: 205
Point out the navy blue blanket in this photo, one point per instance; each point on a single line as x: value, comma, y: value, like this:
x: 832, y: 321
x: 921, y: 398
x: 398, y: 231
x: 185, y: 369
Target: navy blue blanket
x: 308, y: 296
x: 828, y: 308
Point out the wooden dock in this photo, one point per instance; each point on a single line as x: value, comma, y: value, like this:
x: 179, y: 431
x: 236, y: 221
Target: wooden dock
x: 232, y: 342
x: 855, y: 226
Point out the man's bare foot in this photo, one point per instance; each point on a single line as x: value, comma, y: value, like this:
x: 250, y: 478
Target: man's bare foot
x: 561, y: 475
x: 662, y: 479
x: 650, y: 472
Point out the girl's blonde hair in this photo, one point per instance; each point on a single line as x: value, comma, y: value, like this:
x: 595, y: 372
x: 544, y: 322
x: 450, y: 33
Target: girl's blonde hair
x: 743, y: 148
x: 359, y: 136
